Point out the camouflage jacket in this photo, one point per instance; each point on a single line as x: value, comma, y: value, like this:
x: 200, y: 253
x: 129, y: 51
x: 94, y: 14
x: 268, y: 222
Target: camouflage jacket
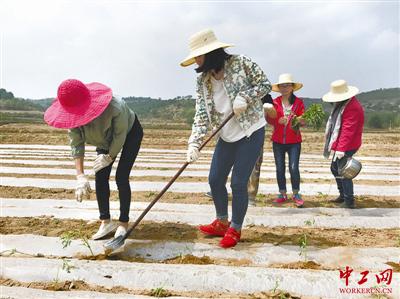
x: 242, y: 77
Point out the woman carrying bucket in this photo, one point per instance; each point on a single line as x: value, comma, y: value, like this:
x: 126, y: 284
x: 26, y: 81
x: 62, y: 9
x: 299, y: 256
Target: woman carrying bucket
x: 343, y: 135
x: 286, y: 138
x: 92, y: 115
x: 227, y: 83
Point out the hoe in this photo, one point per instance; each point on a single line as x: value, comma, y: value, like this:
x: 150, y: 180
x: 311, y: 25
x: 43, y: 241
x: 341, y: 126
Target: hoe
x: 119, y: 241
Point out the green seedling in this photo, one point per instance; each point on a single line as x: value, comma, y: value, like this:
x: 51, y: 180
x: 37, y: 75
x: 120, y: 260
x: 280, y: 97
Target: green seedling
x: 303, y: 246
x: 303, y: 242
x: 314, y: 117
x: 309, y: 222
x: 159, y: 292
x: 85, y: 242
x: 150, y: 194
x: 282, y: 295
x: 275, y: 287
x: 323, y: 196
x: 277, y: 293
x: 261, y: 197
x: 66, y: 239
x: 66, y: 266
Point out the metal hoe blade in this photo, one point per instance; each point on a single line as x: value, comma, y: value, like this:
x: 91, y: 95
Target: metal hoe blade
x: 114, y: 244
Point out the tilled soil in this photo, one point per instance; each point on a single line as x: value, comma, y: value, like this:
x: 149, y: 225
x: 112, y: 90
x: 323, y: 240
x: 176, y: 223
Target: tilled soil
x: 374, y: 144
x: 192, y: 179
x: 167, y: 231
x: 313, y: 142
x: 322, y: 200
x: 79, y: 285
x: 187, y: 259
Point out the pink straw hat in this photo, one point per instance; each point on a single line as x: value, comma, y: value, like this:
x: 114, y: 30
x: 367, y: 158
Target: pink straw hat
x: 77, y: 104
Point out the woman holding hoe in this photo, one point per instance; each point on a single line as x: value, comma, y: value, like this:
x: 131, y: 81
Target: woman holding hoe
x: 227, y: 83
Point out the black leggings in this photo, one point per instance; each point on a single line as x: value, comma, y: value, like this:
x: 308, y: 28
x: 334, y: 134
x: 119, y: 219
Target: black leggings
x: 129, y: 153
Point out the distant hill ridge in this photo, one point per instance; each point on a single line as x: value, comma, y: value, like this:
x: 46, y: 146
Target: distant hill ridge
x: 387, y: 99
x: 382, y: 102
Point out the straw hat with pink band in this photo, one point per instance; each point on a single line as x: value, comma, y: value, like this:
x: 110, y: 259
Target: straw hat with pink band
x: 77, y: 104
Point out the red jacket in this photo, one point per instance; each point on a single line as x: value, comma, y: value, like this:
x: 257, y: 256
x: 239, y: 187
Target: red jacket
x: 285, y: 134
x: 351, y: 129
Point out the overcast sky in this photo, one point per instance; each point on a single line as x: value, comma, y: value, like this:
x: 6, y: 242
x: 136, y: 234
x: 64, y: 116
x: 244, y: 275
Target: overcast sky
x: 135, y: 46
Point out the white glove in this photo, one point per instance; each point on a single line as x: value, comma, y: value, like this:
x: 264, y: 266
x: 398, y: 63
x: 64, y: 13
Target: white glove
x: 192, y: 153
x: 239, y: 105
x: 101, y: 161
x: 268, y: 106
x: 338, y: 155
x: 82, y: 188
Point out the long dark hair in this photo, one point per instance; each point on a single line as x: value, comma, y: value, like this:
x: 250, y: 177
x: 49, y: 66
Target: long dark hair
x: 292, y: 98
x: 214, y: 60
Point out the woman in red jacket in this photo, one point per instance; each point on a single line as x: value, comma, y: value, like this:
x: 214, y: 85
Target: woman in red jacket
x: 343, y: 134
x: 285, y: 138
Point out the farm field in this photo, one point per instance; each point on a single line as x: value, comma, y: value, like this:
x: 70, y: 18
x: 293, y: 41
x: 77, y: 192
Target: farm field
x: 285, y: 252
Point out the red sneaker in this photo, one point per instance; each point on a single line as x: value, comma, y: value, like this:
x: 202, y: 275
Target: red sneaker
x: 298, y: 200
x: 217, y: 228
x: 230, y: 239
x: 281, y: 198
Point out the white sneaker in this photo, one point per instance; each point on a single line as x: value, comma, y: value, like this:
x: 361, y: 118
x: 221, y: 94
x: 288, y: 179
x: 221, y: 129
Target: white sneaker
x: 121, y: 230
x: 104, y: 230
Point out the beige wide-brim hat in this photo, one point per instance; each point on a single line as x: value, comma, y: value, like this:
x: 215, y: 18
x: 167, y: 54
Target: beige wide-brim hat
x: 340, y: 91
x: 286, y: 78
x: 201, y: 43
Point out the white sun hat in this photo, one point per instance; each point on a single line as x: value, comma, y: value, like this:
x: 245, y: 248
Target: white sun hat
x: 340, y: 91
x: 286, y: 78
x: 201, y: 43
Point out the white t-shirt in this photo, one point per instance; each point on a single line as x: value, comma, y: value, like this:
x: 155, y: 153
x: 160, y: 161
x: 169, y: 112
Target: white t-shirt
x: 286, y: 110
x: 232, y: 131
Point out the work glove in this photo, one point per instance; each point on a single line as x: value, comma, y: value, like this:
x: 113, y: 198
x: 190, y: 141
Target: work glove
x: 338, y: 155
x: 192, y: 153
x: 239, y: 105
x: 102, y: 160
x: 268, y: 106
x: 267, y: 99
x: 82, y: 188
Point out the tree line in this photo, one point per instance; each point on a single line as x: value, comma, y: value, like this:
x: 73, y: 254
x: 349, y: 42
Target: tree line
x: 382, y: 108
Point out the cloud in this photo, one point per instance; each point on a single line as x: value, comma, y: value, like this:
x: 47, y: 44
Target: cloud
x: 135, y: 47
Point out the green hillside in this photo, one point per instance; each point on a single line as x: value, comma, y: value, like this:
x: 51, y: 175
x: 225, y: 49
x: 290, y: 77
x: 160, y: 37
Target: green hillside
x: 20, y: 104
x: 379, y: 100
x: 179, y: 109
x: 382, y: 107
